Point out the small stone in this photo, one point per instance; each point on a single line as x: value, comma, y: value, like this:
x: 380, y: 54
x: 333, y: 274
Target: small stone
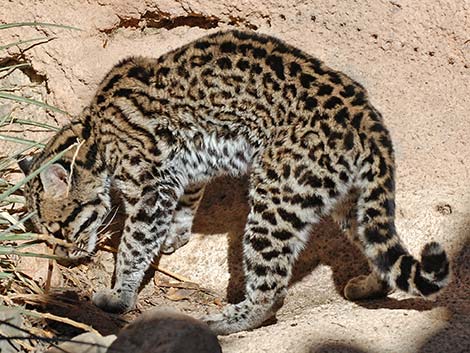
x: 444, y: 209
x: 85, y: 343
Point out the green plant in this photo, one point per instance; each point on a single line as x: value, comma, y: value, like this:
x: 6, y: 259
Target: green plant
x: 12, y: 230
x: 14, y: 236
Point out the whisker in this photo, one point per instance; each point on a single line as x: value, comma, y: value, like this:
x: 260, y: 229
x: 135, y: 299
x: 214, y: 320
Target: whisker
x: 113, y: 209
x: 103, y: 228
x: 103, y: 239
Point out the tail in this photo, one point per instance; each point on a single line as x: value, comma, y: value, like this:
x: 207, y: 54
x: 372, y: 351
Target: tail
x: 375, y: 222
x: 421, y: 278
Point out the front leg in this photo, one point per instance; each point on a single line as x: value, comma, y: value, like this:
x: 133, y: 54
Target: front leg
x: 149, y: 214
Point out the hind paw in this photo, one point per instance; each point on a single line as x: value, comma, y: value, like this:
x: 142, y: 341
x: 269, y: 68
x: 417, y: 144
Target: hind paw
x: 176, y: 239
x: 113, y: 301
x: 239, y: 317
x: 226, y: 322
x: 218, y: 324
x: 366, y: 287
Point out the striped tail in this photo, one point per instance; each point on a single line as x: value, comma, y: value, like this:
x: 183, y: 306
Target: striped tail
x: 422, y: 278
x: 375, y: 217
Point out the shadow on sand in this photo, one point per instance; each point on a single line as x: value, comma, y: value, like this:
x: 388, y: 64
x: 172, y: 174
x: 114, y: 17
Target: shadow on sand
x: 224, y: 210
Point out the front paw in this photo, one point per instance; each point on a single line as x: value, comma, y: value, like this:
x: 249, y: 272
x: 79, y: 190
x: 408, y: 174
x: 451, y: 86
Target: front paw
x: 114, y: 301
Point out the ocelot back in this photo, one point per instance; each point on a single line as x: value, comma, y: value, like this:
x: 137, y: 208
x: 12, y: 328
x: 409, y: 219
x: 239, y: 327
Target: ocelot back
x: 232, y: 102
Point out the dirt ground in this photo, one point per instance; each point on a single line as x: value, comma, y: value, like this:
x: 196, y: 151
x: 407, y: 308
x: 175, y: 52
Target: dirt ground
x: 414, y: 59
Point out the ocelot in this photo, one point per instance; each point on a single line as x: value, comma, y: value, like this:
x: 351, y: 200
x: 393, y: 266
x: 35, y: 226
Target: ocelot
x: 233, y: 103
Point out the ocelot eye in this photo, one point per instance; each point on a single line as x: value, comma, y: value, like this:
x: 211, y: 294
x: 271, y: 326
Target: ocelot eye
x: 58, y: 235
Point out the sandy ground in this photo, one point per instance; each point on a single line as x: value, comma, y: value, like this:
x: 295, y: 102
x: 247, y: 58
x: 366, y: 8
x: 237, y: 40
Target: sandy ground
x: 414, y: 59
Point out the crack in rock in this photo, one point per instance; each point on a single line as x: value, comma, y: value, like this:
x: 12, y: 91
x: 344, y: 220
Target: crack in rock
x: 237, y: 20
x: 160, y: 19
x: 33, y: 75
x: 164, y: 20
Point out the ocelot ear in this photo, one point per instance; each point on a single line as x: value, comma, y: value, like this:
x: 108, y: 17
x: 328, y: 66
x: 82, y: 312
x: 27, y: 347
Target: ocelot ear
x: 54, y: 180
x: 25, y: 164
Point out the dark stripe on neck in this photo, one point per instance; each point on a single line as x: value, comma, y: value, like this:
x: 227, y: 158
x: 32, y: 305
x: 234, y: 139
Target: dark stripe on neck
x: 85, y: 225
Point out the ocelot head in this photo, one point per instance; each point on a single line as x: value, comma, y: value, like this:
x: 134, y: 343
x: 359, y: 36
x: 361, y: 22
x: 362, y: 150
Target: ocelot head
x: 70, y: 197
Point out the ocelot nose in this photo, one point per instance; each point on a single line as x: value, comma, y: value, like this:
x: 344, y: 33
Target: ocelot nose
x: 62, y: 252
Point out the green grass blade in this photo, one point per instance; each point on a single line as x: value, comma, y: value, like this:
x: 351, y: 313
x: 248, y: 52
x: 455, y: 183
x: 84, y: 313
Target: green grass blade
x: 13, y: 199
x: 19, y: 140
x: 17, y: 237
x: 5, y: 163
x: 32, y: 24
x: 5, y: 95
x: 4, y: 118
x: 3, y: 182
x: 15, y: 226
x: 9, y: 45
x: 7, y: 250
x: 12, y: 67
x: 26, y: 244
x: 30, y: 123
x: 18, y: 185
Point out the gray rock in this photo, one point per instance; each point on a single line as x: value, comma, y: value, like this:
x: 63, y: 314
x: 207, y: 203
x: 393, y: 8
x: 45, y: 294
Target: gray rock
x: 166, y: 331
x: 84, y: 343
x: 11, y: 323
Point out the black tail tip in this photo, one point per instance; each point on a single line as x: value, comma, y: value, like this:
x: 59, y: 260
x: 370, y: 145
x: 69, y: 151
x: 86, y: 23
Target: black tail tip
x: 434, y: 262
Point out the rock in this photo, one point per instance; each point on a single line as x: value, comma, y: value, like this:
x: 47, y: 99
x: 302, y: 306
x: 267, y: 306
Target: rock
x: 11, y: 323
x: 166, y: 331
x: 84, y: 343
x: 38, y: 268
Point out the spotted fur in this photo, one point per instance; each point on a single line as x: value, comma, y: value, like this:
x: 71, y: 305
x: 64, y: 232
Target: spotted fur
x: 231, y: 103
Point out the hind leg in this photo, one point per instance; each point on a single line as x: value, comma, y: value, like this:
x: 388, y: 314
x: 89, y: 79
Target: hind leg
x: 363, y: 286
x: 272, y: 240
x: 180, y: 229
x: 284, y: 206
